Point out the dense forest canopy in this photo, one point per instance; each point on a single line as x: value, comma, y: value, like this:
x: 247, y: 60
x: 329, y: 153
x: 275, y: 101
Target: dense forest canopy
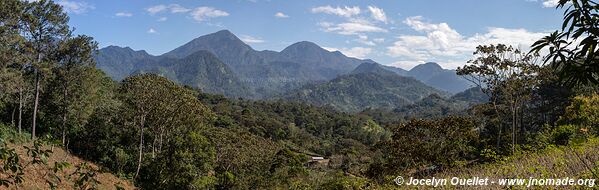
x: 160, y: 134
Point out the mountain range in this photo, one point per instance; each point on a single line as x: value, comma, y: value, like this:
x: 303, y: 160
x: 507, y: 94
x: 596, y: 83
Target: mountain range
x: 434, y: 75
x: 367, y: 86
x: 221, y: 63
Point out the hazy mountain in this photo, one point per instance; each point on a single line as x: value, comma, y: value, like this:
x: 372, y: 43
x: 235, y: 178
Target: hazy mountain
x: 271, y: 72
x: 369, y: 86
x: 267, y: 73
x: 224, y: 44
x: 436, y: 106
x: 474, y: 95
x: 201, y: 70
x: 119, y: 62
x: 372, y: 68
x: 396, y: 70
x: 434, y: 75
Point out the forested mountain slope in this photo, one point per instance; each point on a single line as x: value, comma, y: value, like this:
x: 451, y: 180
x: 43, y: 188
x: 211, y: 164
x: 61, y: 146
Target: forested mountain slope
x: 368, y: 86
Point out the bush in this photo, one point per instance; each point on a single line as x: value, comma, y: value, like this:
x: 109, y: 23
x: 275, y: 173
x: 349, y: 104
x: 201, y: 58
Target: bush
x: 564, y: 134
x: 584, y: 112
x: 430, y: 145
x: 9, y: 134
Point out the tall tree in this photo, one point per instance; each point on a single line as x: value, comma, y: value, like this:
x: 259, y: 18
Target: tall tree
x: 11, y: 59
x: 507, y: 75
x: 77, y: 80
x: 45, y: 23
x: 158, y: 104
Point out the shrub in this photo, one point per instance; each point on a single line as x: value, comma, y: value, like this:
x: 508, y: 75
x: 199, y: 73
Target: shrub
x: 9, y: 134
x: 430, y: 145
x: 584, y: 112
x: 564, y: 134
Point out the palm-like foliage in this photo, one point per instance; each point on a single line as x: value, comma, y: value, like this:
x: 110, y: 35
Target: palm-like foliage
x: 573, y: 49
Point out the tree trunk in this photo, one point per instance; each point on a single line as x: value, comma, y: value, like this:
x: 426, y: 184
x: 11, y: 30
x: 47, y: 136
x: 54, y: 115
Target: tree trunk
x: 64, y: 128
x: 35, y: 104
x: 20, y: 108
x: 64, y: 116
x: 499, y: 135
x: 12, y: 116
x: 141, y: 143
x: 160, y: 141
x: 154, y: 148
x: 500, y: 126
x: 513, y: 129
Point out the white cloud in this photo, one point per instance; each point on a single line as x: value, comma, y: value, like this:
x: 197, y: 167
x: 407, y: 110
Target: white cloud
x: 76, y: 7
x: 363, y: 39
x: 250, y: 40
x: 281, y: 15
x: 156, y: 9
x: 123, y: 14
x: 172, y: 8
x: 202, y: 13
x: 162, y: 19
x: 440, y: 34
x: 377, y: 14
x: 339, y: 11
x: 199, y: 13
x: 550, y: 3
x: 354, y: 23
x: 176, y: 8
x: 357, y: 52
x: 354, y: 26
x: 152, y: 31
x: 445, y: 45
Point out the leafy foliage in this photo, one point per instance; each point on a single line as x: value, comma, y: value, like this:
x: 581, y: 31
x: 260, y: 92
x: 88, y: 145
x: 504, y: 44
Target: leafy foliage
x: 447, y: 142
x: 573, y: 49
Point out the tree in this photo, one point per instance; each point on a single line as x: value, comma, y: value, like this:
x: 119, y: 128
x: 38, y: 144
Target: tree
x: 156, y: 103
x: 12, y: 64
x: 185, y: 164
x: 45, y: 23
x: 584, y: 112
x: 428, y: 143
x: 573, y: 51
x: 76, y: 81
x: 506, y: 75
x: 10, y: 14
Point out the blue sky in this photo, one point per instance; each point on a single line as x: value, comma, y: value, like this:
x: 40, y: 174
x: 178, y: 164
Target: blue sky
x: 398, y: 33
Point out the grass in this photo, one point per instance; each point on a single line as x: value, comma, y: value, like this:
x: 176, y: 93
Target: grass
x: 573, y: 161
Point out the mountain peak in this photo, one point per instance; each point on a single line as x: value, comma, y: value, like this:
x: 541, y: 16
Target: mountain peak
x: 223, y: 33
x: 428, y: 66
x: 371, y: 67
x: 426, y: 70
x: 113, y: 47
x: 124, y: 50
x: 220, y: 43
x: 303, y: 45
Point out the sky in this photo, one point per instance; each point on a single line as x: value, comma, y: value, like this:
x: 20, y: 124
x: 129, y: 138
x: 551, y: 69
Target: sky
x: 396, y: 33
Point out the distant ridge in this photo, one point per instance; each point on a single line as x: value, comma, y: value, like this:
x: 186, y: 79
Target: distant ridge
x: 257, y: 74
x: 368, y: 86
x: 434, y: 75
x: 266, y: 72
